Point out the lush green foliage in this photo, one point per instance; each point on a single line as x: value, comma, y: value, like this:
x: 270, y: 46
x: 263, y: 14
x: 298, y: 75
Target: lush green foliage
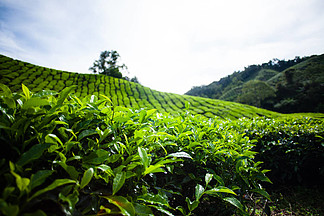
x: 293, y: 148
x: 61, y: 154
x: 13, y: 73
x: 104, y: 145
x: 296, y: 85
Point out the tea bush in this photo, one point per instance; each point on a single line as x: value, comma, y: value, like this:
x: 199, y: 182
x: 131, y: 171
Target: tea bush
x: 292, y: 148
x: 64, y: 155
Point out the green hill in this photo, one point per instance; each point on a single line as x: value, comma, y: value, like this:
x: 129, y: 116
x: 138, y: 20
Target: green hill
x: 283, y: 86
x: 123, y: 93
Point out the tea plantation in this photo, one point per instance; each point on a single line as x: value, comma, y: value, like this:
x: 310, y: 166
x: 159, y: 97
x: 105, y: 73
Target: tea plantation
x: 79, y: 144
x: 122, y: 93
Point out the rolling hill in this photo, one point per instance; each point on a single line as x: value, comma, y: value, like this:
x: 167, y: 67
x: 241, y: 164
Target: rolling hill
x: 123, y: 93
x: 279, y: 85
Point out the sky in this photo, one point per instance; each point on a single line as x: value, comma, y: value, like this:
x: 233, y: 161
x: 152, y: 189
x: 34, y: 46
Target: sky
x: 169, y: 45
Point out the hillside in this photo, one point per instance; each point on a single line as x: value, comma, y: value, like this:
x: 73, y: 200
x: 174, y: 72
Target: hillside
x: 123, y: 93
x: 284, y: 86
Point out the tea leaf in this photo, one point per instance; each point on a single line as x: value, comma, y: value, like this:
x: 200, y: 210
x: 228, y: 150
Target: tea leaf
x: 87, y: 176
x: 33, y: 153
x: 235, y: 202
x: 39, y: 178
x: 208, y: 178
x: 262, y: 192
x: 123, y: 204
x: 180, y: 155
x: 144, y: 158
x: 118, y: 181
x: 142, y: 210
x: 199, y: 191
x: 55, y: 184
x: 220, y: 189
x: 26, y: 91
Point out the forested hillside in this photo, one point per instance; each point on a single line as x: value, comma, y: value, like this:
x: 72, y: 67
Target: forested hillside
x: 284, y: 86
x: 14, y: 73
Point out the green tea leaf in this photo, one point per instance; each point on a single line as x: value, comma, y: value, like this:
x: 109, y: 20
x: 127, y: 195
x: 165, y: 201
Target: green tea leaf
x: 87, y: 133
x: 235, y: 202
x: 98, y: 157
x: 199, y: 191
x: 64, y: 93
x: 161, y: 209
x: 26, y: 91
x: 262, y: 192
x: 87, y: 176
x: 144, y: 158
x: 39, y: 178
x: 142, y: 210
x: 33, y: 153
x: 219, y: 179
x: 192, y: 205
x: 118, y: 181
x: 22, y: 183
x: 7, y: 96
x: 123, y: 204
x: 35, y: 102
x: 153, y: 199
x: 208, y: 178
x: 55, y: 184
x: 154, y: 169
x: 73, y: 173
x: 180, y: 155
x: 261, y: 176
x: 220, y: 189
x: 6, y: 90
x: 52, y: 138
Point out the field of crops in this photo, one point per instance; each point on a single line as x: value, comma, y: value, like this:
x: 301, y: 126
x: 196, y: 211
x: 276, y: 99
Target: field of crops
x: 64, y: 155
x: 122, y: 93
x: 81, y: 144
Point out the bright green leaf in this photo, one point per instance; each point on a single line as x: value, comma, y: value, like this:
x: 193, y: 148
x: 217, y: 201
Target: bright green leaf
x: 118, y: 181
x: 144, y: 158
x: 87, y: 176
x: 26, y: 91
x: 220, y: 189
x: 235, y: 202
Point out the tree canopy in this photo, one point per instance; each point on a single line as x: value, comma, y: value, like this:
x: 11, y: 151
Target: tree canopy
x: 108, y: 64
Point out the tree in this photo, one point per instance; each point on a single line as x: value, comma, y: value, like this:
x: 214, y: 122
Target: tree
x: 107, y: 64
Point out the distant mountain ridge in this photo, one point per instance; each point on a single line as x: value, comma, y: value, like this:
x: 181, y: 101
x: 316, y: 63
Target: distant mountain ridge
x: 286, y: 86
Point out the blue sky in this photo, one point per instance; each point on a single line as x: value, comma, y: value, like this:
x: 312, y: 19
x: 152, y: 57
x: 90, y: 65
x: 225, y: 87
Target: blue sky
x: 170, y: 45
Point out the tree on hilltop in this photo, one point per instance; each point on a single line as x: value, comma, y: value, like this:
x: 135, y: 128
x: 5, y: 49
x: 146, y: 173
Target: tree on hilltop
x: 108, y: 64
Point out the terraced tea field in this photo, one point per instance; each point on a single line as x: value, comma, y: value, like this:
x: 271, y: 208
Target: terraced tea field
x: 122, y: 93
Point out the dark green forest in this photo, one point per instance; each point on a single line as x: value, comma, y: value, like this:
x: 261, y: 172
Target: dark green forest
x: 286, y: 86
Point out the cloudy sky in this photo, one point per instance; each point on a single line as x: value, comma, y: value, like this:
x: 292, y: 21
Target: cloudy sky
x: 170, y: 45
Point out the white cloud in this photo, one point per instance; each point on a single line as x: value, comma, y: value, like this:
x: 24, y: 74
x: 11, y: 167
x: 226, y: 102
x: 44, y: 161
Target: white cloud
x: 169, y: 45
